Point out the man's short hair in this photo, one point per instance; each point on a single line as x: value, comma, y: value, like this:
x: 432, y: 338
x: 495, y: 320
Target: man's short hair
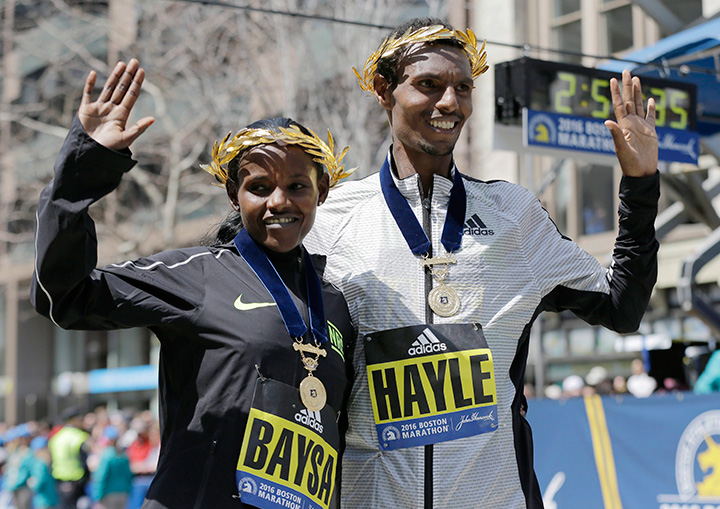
x: 389, y: 66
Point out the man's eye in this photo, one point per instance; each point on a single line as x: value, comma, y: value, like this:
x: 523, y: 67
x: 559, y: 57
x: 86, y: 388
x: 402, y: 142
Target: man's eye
x: 426, y: 83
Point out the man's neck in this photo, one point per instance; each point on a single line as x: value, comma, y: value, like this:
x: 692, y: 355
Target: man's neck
x: 425, y: 165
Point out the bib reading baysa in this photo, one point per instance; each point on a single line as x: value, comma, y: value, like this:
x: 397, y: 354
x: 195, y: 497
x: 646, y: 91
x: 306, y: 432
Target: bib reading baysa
x: 289, y: 453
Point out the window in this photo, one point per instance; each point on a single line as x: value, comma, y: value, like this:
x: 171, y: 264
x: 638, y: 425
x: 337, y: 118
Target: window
x: 598, y: 198
x: 582, y: 341
x: 562, y: 7
x: 554, y: 343
x: 567, y: 29
x: 606, y: 340
x: 619, y: 28
x: 569, y: 38
x: 695, y: 330
x: 686, y: 11
x: 561, y: 198
x: 69, y: 351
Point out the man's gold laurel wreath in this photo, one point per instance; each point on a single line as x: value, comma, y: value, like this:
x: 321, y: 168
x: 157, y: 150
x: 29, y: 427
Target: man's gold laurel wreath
x: 477, y: 58
x: 224, y: 151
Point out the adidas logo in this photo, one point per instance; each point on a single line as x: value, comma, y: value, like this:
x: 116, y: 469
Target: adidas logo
x: 475, y: 226
x: 310, y: 419
x: 426, y: 342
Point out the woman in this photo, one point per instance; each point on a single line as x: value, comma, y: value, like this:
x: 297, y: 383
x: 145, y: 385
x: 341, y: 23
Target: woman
x: 242, y: 323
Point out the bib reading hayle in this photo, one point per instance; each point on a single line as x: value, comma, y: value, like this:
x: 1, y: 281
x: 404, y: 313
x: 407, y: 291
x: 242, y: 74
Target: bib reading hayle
x: 430, y: 384
x: 289, y: 454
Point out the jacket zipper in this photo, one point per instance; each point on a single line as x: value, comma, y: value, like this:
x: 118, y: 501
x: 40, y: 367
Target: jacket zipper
x: 427, y: 226
x: 205, y: 477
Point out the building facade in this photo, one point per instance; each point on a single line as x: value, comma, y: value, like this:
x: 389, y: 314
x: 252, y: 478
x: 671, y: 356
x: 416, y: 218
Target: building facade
x: 44, y: 369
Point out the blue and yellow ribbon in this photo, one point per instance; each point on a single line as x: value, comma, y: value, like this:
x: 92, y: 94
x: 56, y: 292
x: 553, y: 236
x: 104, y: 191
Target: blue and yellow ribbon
x: 602, y: 448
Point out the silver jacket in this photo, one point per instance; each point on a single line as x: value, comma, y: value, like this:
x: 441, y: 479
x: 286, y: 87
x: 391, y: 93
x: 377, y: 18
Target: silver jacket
x: 512, y: 265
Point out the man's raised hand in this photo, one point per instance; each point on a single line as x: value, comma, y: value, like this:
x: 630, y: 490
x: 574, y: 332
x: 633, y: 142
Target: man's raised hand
x: 636, y: 143
x: 105, y: 120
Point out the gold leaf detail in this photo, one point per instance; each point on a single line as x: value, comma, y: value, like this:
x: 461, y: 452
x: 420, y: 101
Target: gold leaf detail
x: 388, y: 47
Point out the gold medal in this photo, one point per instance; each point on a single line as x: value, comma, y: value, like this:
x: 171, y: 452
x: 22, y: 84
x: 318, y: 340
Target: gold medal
x: 312, y: 393
x: 444, y: 300
x: 312, y: 390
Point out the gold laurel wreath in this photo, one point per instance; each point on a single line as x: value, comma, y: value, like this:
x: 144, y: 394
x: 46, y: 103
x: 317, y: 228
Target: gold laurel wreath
x: 477, y: 57
x: 323, y: 153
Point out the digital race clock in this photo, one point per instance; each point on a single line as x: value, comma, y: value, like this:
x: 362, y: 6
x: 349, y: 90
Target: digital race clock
x: 564, y: 106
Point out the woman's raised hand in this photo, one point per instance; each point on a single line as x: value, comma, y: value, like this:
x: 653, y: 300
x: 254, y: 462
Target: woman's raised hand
x: 105, y: 120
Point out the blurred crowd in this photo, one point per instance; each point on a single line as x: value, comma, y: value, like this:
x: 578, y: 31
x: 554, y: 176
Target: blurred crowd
x: 106, y: 460
x: 599, y: 381
x: 95, y: 460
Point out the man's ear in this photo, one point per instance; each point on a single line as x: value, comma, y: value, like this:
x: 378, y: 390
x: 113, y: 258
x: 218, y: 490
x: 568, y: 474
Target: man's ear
x: 383, y: 91
x: 232, y: 192
x: 323, y: 188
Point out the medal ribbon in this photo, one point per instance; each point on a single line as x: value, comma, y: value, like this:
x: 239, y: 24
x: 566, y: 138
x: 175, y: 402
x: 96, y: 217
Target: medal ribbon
x: 264, y: 270
x: 414, y: 234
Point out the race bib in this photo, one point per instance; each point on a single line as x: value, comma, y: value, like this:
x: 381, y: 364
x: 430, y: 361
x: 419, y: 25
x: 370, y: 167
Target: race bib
x: 289, y: 454
x: 430, y: 384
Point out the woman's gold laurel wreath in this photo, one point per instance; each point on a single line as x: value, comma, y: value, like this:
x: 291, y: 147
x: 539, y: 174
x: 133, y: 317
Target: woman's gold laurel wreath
x: 477, y: 57
x: 225, y: 151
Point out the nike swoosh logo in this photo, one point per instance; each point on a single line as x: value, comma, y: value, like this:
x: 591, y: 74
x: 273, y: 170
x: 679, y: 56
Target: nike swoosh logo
x: 247, y: 306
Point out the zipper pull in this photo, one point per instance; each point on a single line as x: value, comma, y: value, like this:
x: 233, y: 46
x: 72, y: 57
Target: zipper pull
x: 426, y: 203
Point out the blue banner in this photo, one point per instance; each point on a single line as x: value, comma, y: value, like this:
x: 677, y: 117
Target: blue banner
x: 132, y: 378
x: 568, y: 132
x: 662, y: 452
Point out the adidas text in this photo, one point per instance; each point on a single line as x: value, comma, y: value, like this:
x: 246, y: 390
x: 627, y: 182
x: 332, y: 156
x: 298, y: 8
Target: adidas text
x: 309, y: 420
x: 433, y: 347
x: 477, y: 231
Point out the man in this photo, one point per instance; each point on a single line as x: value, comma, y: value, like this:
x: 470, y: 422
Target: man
x: 68, y: 449
x: 444, y: 275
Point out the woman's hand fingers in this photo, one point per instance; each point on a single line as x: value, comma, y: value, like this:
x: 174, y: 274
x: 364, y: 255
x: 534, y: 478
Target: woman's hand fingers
x: 124, y: 81
x: 111, y: 82
x: 105, y: 119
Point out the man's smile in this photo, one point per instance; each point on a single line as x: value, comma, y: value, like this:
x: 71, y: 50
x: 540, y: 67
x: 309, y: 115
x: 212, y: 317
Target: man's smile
x: 445, y: 125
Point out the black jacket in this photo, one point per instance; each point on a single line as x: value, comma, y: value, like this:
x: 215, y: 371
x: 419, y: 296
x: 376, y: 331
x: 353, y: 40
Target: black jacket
x: 211, y: 351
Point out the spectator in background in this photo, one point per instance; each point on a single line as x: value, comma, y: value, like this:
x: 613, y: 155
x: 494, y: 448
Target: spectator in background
x: 671, y: 384
x: 112, y: 481
x: 69, y: 452
x: 553, y: 391
x: 598, y: 379
x: 619, y: 385
x: 41, y: 480
x: 709, y: 379
x: 572, y: 386
x: 19, y: 465
x: 139, y: 450
x: 640, y: 384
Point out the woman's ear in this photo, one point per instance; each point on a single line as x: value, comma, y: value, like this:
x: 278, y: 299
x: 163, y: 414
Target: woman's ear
x: 232, y: 192
x: 323, y: 188
x: 383, y: 92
